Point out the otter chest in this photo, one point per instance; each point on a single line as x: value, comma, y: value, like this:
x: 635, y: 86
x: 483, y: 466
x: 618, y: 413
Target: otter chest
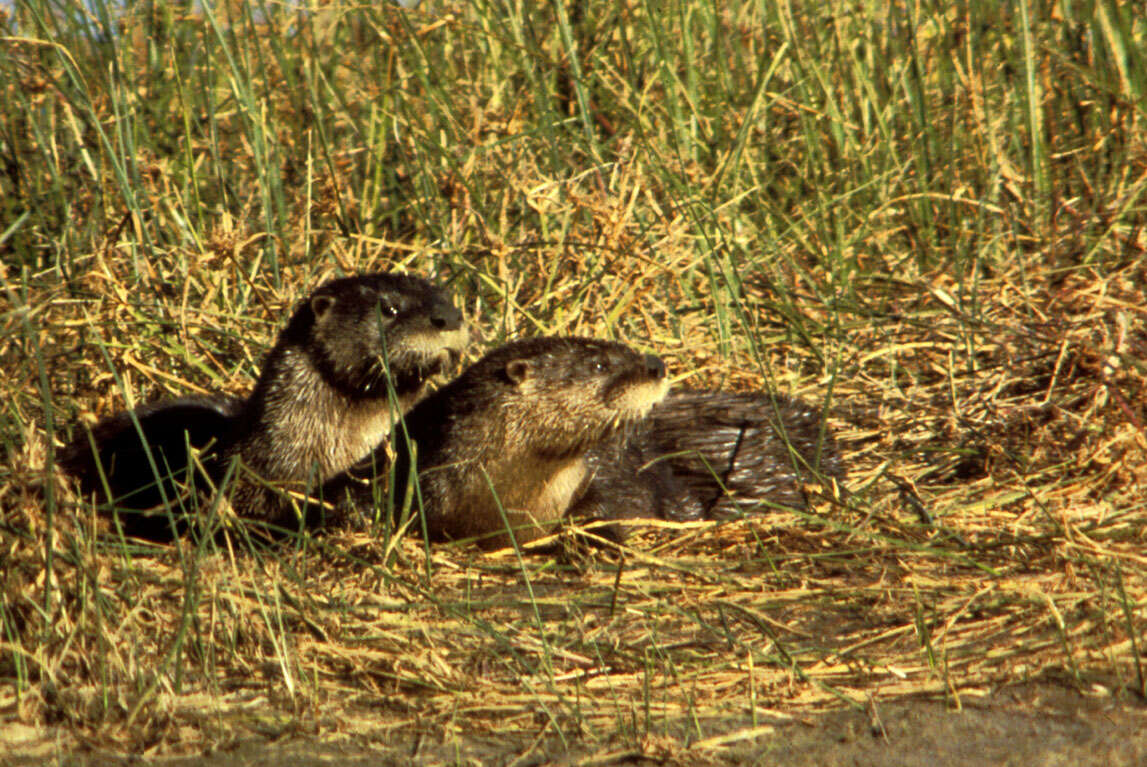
x: 558, y: 491
x: 363, y: 431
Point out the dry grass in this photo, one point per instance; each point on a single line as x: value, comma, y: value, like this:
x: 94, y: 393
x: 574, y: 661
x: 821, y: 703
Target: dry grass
x: 980, y: 347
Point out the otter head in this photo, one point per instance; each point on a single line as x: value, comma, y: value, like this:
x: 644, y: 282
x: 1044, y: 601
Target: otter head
x: 361, y: 330
x: 505, y: 442
x: 570, y: 393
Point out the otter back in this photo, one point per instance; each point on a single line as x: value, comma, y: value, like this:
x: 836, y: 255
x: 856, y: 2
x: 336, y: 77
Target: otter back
x: 711, y: 454
x: 148, y: 466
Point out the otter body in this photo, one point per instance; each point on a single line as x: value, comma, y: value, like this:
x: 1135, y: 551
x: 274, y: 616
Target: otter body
x: 708, y: 455
x: 551, y: 427
x: 505, y: 443
x: 322, y: 401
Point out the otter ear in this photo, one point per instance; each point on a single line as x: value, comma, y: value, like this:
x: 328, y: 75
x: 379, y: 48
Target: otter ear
x: 320, y: 305
x: 518, y: 371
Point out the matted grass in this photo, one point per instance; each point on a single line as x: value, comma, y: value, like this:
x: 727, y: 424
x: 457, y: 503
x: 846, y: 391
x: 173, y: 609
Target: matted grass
x: 929, y: 224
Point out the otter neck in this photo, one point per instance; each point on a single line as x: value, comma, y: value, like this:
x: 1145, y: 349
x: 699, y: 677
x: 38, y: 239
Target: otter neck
x: 298, y: 426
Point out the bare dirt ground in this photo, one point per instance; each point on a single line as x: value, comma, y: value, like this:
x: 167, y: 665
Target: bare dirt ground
x: 1037, y: 725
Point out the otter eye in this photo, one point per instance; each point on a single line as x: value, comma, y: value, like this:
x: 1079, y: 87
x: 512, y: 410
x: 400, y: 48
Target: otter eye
x: 387, y: 309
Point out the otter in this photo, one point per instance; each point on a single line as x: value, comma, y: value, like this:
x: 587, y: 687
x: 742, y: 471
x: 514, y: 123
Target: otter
x: 711, y: 455
x: 353, y: 357
x: 523, y: 431
x: 503, y: 447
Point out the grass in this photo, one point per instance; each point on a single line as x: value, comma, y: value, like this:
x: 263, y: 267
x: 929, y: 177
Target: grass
x: 930, y: 225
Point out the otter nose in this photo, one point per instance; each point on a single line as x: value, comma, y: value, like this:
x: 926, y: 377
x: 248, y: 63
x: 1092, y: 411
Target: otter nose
x: 445, y: 316
x: 655, y: 366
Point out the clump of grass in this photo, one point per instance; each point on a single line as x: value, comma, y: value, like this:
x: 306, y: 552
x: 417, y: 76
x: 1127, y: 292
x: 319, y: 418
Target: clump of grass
x: 929, y: 225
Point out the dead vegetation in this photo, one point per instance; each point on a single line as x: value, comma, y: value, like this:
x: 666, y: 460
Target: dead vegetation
x: 991, y: 411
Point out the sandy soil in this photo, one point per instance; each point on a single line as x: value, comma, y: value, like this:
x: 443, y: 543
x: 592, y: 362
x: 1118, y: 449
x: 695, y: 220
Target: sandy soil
x: 1032, y: 725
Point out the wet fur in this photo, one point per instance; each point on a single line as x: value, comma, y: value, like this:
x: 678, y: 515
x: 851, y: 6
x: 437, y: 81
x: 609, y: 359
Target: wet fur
x: 510, y: 435
x: 323, y: 401
x: 711, y: 454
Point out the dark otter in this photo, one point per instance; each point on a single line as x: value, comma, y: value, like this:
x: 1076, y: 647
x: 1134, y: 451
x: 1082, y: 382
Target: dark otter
x: 708, y: 455
x: 354, y: 355
x: 505, y: 443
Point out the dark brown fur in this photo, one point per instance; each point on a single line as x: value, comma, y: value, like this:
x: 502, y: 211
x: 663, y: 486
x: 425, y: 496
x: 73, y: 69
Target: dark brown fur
x: 505, y: 443
x: 354, y: 355
x: 711, y: 454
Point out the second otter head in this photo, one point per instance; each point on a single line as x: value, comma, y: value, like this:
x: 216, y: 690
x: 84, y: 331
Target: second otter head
x: 563, y: 395
x: 504, y: 444
x: 361, y: 330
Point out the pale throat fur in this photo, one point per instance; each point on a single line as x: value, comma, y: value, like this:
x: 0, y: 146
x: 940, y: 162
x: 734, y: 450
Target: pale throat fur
x: 299, y: 441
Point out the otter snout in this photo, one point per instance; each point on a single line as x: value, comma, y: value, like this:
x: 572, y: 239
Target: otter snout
x: 445, y: 316
x: 654, y: 366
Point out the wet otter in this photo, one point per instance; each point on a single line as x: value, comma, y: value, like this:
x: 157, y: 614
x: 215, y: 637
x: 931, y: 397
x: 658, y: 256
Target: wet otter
x: 505, y: 443
x: 354, y: 355
x: 708, y: 455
